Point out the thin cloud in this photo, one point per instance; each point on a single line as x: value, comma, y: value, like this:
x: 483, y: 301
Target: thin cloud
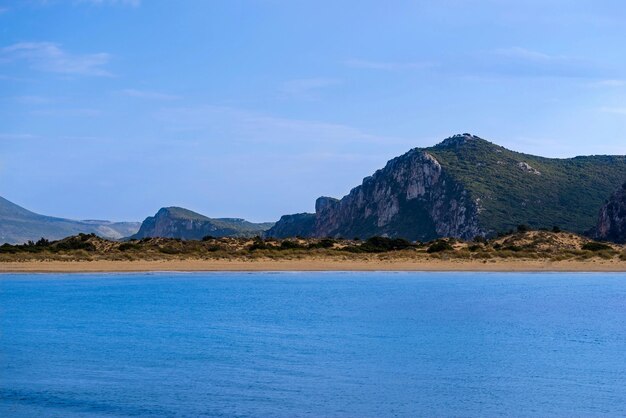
x: 308, y: 88
x: 16, y: 137
x: 67, y: 112
x: 614, y: 110
x: 50, y: 57
x: 523, y: 62
x: 527, y: 54
x: 150, y: 95
x: 134, y: 3
x: 250, y: 125
x: 388, y: 65
x: 33, y: 100
x: 513, y: 62
x: 609, y: 83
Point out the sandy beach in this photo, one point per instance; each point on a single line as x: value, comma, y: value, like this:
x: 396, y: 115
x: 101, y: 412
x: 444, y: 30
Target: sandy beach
x: 311, y: 265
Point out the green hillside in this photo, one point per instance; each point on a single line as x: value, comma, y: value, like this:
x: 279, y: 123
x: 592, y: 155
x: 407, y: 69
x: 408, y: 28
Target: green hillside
x: 547, y: 192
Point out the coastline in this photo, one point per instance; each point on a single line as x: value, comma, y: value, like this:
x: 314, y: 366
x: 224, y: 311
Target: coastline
x: 199, y: 265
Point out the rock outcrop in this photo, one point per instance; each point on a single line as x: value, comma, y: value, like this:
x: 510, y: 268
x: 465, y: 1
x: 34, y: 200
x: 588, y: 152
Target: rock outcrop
x: 612, y: 219
x: 297, y: 225
x: 174, y: 222
x: 465, y: 187
x: 411, y: 197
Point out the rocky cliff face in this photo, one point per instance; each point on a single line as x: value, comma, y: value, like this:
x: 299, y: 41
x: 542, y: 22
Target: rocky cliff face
x: 411, y: 197
x: 612, y: 220
x: 176, y: 222
x: 297, y: 225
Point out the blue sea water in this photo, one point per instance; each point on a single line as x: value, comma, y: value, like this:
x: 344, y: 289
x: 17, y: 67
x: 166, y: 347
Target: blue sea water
x: 313, y: 344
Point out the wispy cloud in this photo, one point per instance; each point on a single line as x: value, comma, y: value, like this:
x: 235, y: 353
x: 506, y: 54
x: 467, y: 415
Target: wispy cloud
x: 527, y: 54
x: 150, y: 95
x: 512, y: 62
x: 134, y: 3
x: 388, y: 65
x: 254, y: 126
x: 3, y: 10
x: 609, y: 83
x: 67, y: 112
x: 614, y: 110
x: 33, y: 100
x: 16, y: 137
x: 307, y: 88
x: 524, y: 62
x: 50, y: 57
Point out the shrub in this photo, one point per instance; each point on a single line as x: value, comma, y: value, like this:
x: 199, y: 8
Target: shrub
x: 523, y: 228
x: 8, y: 249
x: 324, y: 243
x: 556, y: 229
x: 42, y: 242
x: 169, y: 250
x: 290, y: 245
x: 383, y: 244
x: 596, y: 246
x: 258, y: 244
x: 128, y: 246
x: 439, y: 246
x: 79, y: 242
x: 475, y: 247
x: 208, y: 238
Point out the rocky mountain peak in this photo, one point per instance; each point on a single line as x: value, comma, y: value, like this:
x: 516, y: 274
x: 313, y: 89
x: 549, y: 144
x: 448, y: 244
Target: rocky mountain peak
x: 176, y: 222
x: 325, y: 202
x: 459, y: 140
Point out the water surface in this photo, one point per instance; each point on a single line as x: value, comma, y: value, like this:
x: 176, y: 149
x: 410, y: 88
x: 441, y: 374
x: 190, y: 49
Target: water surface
x: 313, y: 344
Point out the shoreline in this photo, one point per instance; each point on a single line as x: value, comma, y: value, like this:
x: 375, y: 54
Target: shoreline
x: 198, y: 265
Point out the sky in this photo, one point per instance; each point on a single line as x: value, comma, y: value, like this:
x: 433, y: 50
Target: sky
x: 111, y: 109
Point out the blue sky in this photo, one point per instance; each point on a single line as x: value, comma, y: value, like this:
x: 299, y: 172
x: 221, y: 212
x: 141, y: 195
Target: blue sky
x: 111, y: 109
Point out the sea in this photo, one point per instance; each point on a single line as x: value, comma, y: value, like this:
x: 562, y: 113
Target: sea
x: 323, y: 344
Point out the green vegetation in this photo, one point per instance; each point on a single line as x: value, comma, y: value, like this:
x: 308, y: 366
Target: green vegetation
x: 528, y: 245
x: 565, y: 192
x: 439, y: 246
x: 596, y: 246
x: 383, y: 244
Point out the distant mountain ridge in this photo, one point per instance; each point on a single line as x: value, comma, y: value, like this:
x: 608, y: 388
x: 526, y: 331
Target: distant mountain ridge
x: 464, y: 187
x: 176, y: 222
x: 19, y: 225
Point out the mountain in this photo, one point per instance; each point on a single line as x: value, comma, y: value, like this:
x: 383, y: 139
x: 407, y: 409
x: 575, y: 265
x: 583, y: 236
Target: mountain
x: 466, y: 186
x: 18, y: 225
x: 612, y: 220
x: 182, y: 223
x: 297, y: 225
